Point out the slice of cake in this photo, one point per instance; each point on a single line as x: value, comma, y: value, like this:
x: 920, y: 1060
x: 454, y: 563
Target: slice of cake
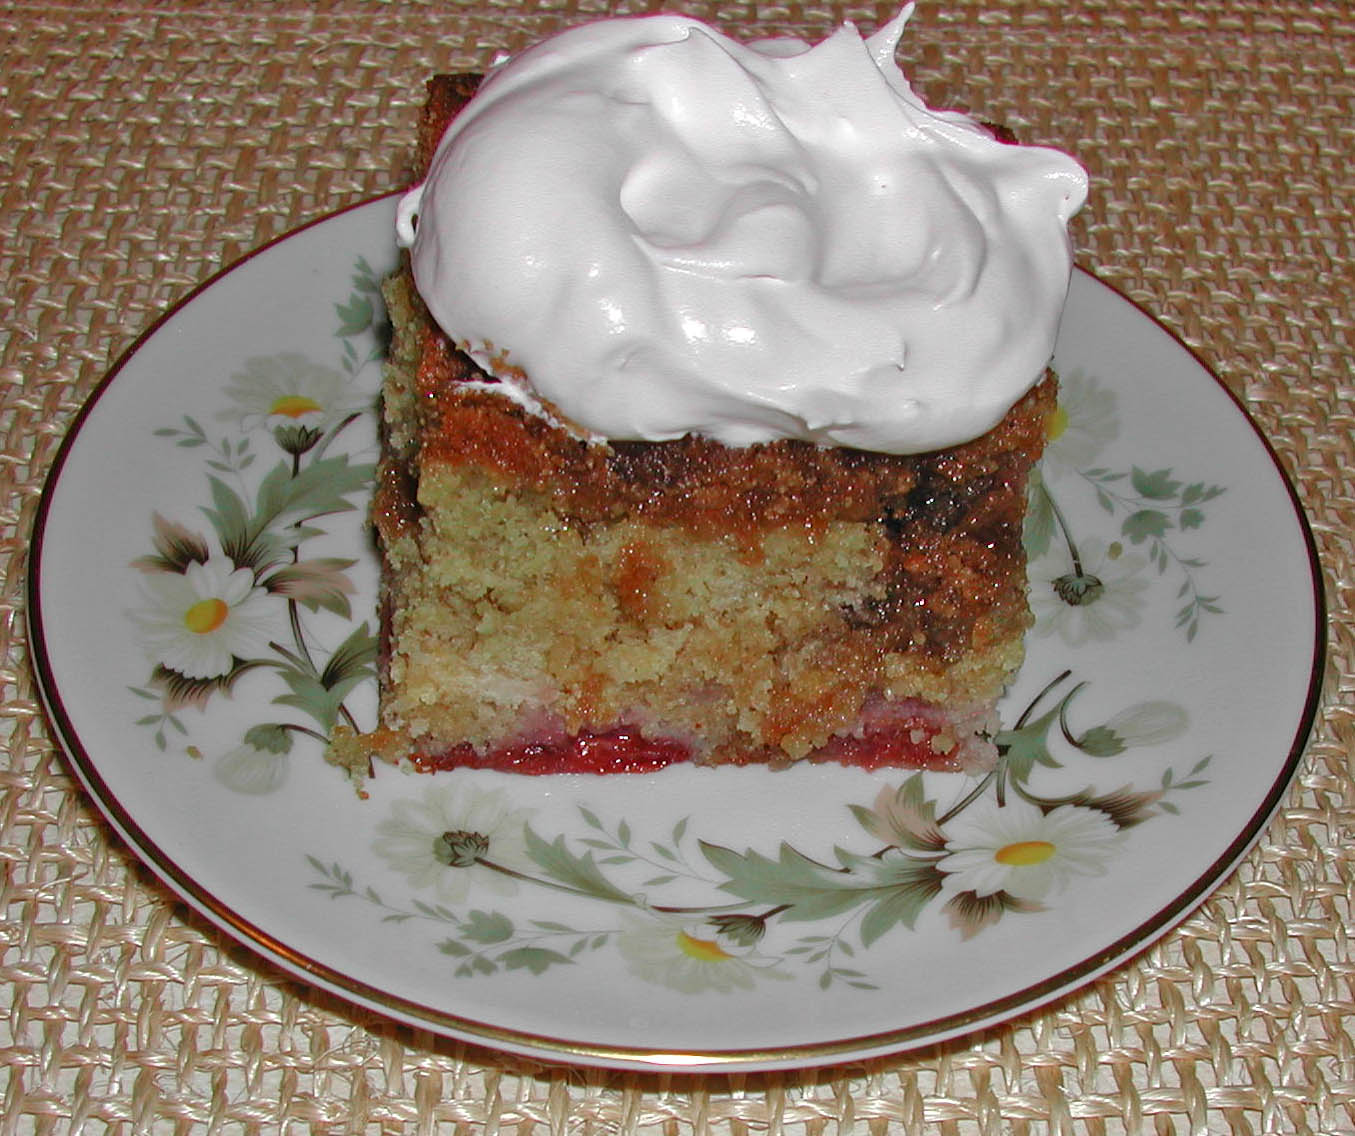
x: 695, y: 448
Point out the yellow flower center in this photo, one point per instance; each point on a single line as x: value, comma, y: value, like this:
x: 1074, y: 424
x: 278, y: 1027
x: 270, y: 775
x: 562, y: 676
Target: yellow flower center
x: 1024, y: 853
x: 703, y: 950
x: 294, y: 406
x: 1058, y: 423
x: 206, y: 615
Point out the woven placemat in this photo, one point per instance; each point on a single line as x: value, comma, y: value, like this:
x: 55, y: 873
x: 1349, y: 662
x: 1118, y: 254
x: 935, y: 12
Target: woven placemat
x: 147, y: 145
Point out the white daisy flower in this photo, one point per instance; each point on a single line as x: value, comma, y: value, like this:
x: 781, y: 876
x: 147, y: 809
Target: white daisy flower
x: 1019, y: 849
x: 1085, y: 420
x: 429, y: 840
x: 199, y: 621
x: 688, y: 955
x: 289, y: 390
x: 1092, y: 605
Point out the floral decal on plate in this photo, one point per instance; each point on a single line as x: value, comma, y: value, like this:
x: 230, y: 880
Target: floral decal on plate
x: 1000, y: 846
x: 237, y: 589
x: 235, y: 596
x: 1089, y: 589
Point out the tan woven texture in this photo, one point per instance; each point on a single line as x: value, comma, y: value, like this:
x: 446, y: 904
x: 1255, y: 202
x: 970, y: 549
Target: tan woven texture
x: 145, y: 144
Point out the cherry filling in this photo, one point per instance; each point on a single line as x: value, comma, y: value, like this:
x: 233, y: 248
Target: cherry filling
x: 906, y: 740
x: 617, y: 751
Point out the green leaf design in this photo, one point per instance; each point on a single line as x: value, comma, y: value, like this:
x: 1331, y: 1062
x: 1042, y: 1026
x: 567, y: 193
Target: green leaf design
x: 230, y: 517
x: 534, y: 959
x: 1126, y: 806
x: 315, y: 584
x: 353, y: 661
x: 355, y: 316
x: 1145, y: 524
x: 487, y: 927
x: 365, y: 278
x: 176, y: 547
x: 1028, y: 746
x: 894, y: 889
x: 912, y: 885
x: 904, y: 817
x: 1153, y: 507
x: 1038, y: 533
x: 970, y: 913
x: 319, y: 489
x: 811, y: 890
x: 1101, y: 742
x: 1155, y: 486
x: 435, y: 911
x: 579, y: 873
x: 308, y: 696
x: 321, y: 694
x: 177, y: 691
x: 271, y: 737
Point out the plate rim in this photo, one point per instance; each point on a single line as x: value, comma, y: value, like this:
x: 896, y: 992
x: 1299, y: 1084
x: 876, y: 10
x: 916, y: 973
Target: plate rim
x: 549, y: 1049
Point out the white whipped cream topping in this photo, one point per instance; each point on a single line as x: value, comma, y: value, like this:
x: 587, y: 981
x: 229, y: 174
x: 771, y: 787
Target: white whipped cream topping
x: 667, y: 231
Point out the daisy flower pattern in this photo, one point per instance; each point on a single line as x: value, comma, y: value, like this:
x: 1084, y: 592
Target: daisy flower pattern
x: 288, y: 390
x: 430, y: 840
x: 1154, y: 509
x: 688, y: 956
x: 1024, y: 852
x: 252, y: 582
x: 1084, y: 422
x: 199, y: 621
x: 248, y: 595
x: 1091, y: 601
x: 998, y: 848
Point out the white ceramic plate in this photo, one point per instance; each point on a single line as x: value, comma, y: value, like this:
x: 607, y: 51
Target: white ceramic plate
x: 206, y: 514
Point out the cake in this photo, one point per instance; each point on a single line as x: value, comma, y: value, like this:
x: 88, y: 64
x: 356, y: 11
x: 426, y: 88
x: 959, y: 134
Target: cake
x: 591, y: 584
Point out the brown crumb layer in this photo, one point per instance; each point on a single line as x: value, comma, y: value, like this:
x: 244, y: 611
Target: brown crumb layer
x: 951, y: 519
